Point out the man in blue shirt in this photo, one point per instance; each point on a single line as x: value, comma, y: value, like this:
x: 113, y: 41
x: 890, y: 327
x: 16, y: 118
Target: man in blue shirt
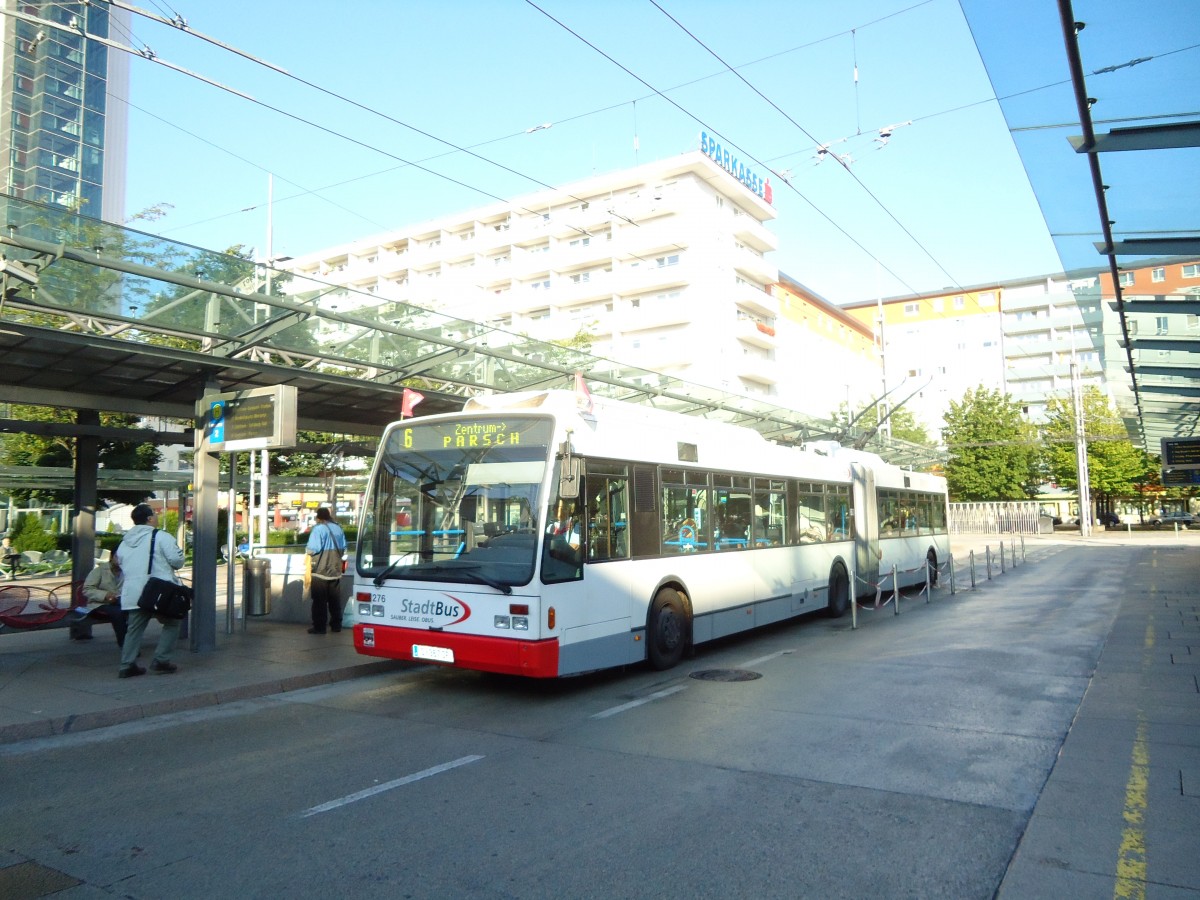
x: 326, y: 549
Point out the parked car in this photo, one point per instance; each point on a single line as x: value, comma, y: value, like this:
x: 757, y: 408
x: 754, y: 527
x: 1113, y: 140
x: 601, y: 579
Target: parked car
x: 1183, y: 520
x: 1110, y: 519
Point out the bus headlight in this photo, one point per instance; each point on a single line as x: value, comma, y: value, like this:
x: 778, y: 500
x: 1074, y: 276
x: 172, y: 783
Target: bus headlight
x: 501, y: 622
x: 520, y: 623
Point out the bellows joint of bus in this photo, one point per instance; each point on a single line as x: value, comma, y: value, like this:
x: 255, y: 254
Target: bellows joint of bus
x: 569, y: 472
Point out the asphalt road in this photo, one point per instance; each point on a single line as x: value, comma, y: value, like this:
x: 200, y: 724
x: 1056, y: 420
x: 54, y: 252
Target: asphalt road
x: 901, y: 759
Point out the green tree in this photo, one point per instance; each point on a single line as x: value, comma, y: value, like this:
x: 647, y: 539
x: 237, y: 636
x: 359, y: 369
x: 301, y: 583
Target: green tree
x: 51, y: 451
x: 904, y: 425
x: 993, y: 451
x: 29, y: 534
x: 1116, y: 468
x: 297, y: 463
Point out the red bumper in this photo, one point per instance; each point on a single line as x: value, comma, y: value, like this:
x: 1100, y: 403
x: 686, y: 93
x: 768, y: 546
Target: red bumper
x: 533, y: 659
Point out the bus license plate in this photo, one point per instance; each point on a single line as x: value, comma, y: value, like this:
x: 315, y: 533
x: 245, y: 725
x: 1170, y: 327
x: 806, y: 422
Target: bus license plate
x: 437, y: 654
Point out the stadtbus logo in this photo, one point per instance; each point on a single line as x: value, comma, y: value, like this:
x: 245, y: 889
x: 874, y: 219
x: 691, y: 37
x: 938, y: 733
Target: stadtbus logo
x: 432, y: 609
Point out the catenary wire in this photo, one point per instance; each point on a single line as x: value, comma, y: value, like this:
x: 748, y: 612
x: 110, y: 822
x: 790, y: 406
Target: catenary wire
x: 809, y: 135
x: 456, y: 148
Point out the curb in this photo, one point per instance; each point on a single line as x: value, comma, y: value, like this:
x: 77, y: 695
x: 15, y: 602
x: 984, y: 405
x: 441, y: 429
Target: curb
x: 72, y: 724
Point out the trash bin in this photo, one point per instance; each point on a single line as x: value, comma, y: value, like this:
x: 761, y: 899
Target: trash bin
x: 256, y: 587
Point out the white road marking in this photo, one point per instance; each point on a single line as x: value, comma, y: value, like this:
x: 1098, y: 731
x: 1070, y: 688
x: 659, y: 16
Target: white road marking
x: 762, y: 659
x: 387, y: 786
x: 657, y: 695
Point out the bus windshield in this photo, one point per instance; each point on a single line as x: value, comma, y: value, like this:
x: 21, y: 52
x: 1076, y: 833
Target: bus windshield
x: 456, y: 502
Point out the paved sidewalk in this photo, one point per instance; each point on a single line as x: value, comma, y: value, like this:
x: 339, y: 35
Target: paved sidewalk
x: 52, y: 685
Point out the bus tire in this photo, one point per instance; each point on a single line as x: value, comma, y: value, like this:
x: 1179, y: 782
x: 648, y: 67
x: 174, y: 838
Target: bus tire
x: 666, y: 629
x: 931, y: 561
x: 839, y: 592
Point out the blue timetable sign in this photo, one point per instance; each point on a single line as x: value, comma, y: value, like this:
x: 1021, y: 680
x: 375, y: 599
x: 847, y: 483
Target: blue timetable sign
x: 255, y: 419
x: 1181, y: 453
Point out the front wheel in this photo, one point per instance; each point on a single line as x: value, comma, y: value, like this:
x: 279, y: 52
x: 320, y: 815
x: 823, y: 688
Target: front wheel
x: 666, y: 629
x: 839, y: 592
x: 931, y: 562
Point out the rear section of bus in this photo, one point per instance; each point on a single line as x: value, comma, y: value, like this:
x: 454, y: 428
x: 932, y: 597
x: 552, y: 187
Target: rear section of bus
x: 448, y: 544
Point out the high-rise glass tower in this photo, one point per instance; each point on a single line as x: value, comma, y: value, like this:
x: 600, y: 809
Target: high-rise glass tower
x: 63, y: 115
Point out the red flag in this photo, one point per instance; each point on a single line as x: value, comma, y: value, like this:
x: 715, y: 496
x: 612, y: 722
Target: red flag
x: 409, y: 399
x: 583, y: 397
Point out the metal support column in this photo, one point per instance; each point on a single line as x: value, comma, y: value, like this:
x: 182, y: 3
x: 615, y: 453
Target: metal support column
x: 86, y: 497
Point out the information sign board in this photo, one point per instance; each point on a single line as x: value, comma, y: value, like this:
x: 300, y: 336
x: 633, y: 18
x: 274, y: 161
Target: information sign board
x: 255, y: 419
x: 1181, y: 453
x: 1177, y: 477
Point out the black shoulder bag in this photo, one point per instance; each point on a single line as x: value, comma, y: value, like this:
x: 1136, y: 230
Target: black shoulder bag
x: 160, y: 597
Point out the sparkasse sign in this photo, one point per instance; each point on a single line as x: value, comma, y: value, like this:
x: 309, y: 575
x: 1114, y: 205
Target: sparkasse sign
x: 735, y: 167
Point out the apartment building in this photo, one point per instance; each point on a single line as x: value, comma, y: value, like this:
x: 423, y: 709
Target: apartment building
x: 64, y: 138
x: 1050, y: 324
x: 1162, y: 315
x: 663, y: 266
x: 832, y: 357
x: 1019, y: 337
x: 936, y: 346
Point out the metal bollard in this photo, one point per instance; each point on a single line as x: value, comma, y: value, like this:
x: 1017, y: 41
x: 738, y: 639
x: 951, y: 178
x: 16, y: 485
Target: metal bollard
x: 952, y: 585
x: 987, y: 552
x: 972, y: 564
x: 895, y: 590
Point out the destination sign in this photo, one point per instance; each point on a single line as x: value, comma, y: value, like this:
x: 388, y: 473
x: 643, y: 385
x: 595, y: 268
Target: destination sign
x: 473, y: 434
x: 1181, y: 453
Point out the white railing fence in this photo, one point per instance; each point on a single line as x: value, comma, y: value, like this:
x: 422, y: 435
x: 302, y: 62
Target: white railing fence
x: 1016, y: 517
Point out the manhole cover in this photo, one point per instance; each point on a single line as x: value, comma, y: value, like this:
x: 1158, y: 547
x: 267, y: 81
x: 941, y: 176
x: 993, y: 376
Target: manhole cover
x: 726, y: 675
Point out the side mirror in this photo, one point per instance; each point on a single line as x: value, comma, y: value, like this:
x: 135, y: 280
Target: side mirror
x: 568, y: 478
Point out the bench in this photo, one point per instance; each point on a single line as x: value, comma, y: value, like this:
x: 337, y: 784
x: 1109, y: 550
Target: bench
x: 26, y: 607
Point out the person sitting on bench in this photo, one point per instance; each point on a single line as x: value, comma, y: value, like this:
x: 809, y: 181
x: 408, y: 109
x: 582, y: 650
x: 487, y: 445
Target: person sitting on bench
x: 101, y: 591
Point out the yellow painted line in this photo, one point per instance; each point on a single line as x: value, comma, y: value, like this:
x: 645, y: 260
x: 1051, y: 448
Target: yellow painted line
x: 1131, y: 858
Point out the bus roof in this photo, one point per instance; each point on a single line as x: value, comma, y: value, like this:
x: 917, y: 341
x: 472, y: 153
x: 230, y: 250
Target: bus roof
x: 610, y: 428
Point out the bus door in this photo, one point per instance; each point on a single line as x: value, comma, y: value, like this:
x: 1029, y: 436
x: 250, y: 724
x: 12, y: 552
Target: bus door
x: 586, y: 539
x: 866, y: 525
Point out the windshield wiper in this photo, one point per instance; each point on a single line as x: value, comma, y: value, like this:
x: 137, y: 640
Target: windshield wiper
x: 483, y: 579
x: 382, y: 576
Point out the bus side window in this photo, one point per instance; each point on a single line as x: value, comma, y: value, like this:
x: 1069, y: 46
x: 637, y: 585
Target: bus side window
x: 684, y: 520
x: 608, y: 518
x: 770, y: 515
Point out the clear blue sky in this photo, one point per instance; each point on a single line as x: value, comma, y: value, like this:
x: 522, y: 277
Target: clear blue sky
x: 478, y: 74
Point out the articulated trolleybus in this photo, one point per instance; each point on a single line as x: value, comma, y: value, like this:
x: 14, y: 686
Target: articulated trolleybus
x: 527, y: 536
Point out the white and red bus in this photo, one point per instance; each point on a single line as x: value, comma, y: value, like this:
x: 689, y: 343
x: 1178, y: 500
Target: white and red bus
x: 526, y: 536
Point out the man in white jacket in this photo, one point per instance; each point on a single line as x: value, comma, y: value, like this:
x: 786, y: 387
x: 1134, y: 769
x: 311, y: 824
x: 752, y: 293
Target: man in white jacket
x: 137, y: 566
